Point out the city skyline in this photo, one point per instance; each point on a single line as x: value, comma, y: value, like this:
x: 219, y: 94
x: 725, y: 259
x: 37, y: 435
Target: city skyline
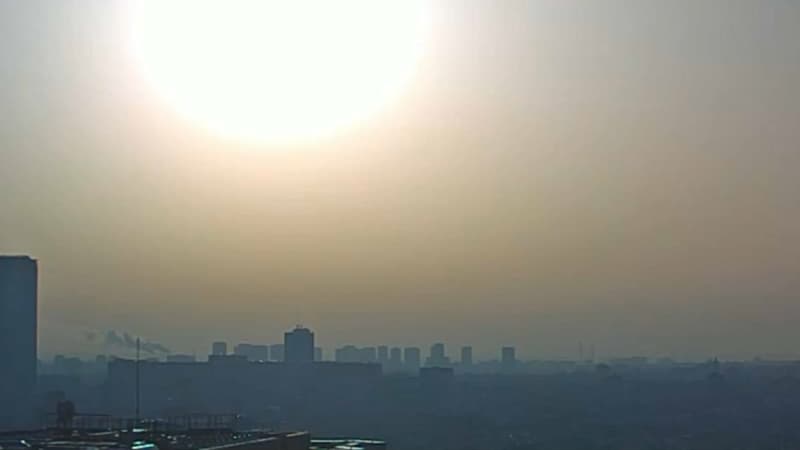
x: 20, y: 300
x: 102, y: 342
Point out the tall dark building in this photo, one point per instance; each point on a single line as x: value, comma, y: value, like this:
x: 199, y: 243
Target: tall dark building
x: 18, y: 337
x: 299, y: 345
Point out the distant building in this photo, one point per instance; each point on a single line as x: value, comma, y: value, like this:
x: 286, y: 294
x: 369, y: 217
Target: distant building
x: 218, y: 360
x: 67, y: 365
x: 299, y: 345
x: 318, y: 354
x: 412, y: 359
x: 277, y: 352
x: 437, y: 357
x: 630, y: 361
x: 348, y: 353
x: 230, y: 383
x: 383, y: 354
x: 364, y: 355
x: 219, y: 348
x: 253, y: 352
x: 368, y: 355
x: 179, y: 358
x: 508, y: 358
x: 18, y: 336
x: 395, y: 359
x: 466, y: 356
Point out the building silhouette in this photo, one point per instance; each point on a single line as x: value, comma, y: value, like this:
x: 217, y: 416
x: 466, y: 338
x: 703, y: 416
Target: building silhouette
x: 368, y: 355
x: 412, y: 358
x: 437, y: 357
x: 277, y: 352
x: 348, y: 353
x: 18, y: 337
x: 219, y: 348
x: 181, y: 358
x: 383, y: 354
x: 298, y: 345
x: 231, y: 383
x: 395, y: 359
x: 253, y: 352
x: 508, y: 358
x: 466, y: 356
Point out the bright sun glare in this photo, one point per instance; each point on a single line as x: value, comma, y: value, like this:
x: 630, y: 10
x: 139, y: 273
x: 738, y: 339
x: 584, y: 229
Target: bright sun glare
x: 278, y: 70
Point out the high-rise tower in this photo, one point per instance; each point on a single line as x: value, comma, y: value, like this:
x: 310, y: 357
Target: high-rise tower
x: 18, y: 336
x: 299, y: 345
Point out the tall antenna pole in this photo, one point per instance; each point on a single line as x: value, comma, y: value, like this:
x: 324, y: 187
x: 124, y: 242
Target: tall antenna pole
x: 138, y: 390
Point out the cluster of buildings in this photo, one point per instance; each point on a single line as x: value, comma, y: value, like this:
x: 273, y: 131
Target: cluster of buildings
x: 299, y: 346
x: 181, y: 382
x: 291, y: 386
x: 410, y: 359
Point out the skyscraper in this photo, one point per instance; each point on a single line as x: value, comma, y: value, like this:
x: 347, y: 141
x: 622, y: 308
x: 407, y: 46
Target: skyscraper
x: 299, y: 345
x: 18, y: 336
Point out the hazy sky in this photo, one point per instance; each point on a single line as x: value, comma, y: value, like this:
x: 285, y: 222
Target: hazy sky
x: 623, y: 173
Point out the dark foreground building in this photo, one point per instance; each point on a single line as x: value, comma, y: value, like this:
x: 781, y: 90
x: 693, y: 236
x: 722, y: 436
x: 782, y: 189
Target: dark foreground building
x: 18, y: 338
x: 233, y: 385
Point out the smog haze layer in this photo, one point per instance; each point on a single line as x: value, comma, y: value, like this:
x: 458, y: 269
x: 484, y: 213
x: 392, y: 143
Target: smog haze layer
x: 622, y: 174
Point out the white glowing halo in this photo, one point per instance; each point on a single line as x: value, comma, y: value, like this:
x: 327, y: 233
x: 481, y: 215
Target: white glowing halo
x: 278, y: 70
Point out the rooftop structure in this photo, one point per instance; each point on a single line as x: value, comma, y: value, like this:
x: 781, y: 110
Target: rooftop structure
x: 153, y: 436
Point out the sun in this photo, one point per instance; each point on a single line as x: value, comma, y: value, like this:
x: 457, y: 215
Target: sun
x: 278, y: 70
